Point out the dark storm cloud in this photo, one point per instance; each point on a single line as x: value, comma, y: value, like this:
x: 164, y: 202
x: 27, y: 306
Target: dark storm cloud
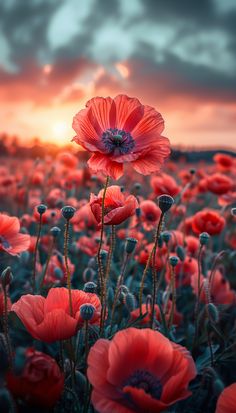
x: 24, y: 24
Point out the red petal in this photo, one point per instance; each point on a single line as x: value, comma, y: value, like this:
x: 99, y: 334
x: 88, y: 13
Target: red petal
x: 101, y: 163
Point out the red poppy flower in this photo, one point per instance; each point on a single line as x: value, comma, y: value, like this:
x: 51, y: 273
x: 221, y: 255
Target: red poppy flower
x: 183, y: 272
x: 48, y: 319
x: 56, y: 271
x: 89, y: 245
x: 121, y: 130
x: 40, y: 383
x: 164, y: 184
x: 11, y: 240
x: 227, y: 400
x: 150, y: 214
x: 144, y: 254
x: 220, y: 291
x: 145, y: 321
x: 67, y: 159
x: 209, y: 221
x: 223, y: 161
x: 155, y: 372
x: 84, y: 218
x: 219, y: 184
x: 192, y: 244
x: 118, y: 207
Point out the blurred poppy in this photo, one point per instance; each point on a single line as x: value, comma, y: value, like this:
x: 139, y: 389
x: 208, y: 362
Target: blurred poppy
x: 209, y: 221
x: 11, y: 240
x: 121, y: 130
x: 223, y: 161
x: 145, y: 321
x: 40, y: 383
x: 219, y: 184
x: 118, y: 207
x: 164, y: 184
x: 155, y: 372
x: 48, y: 319
x: 183, y: 272
x: 227, y: 401
x: 150, y: 214
x: 219, y: 289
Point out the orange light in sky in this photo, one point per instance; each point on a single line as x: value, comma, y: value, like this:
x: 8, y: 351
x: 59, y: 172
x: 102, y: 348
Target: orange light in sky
x: 123, y: 70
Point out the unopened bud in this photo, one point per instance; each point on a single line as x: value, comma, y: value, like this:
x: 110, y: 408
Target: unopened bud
x: 173, y: 261
x: 130, y: 245
x: 204, y: 238
x: 6, y: 277
x: 90, y: 287
x: 41, y: 209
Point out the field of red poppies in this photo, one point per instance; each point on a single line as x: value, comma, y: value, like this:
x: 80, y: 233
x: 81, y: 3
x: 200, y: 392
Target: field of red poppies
x: 117, y: 285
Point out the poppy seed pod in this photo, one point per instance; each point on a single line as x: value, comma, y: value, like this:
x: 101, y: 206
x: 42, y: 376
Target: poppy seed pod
x: 130, y: 301
x: 192, y: 171
x: 130, y: 245
x: 87, y: 311
x: 166, y: 236
x: 180, y: 251
x: 55, y: 231
x: 68, y: 212
x: 41, y: 209
x: 137, y: 186
x: 90, y: 287
x: 173, y: 261
x: 213, y: 312
x: 6, y: 277
x: 204, y: 238
x: 165, y: 202
x: 103, y: 255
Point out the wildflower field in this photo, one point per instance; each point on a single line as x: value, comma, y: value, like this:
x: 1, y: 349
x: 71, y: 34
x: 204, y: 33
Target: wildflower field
x: 117, y: 272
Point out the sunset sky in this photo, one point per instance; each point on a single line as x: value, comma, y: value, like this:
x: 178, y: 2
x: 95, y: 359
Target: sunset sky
x: 177, y: 55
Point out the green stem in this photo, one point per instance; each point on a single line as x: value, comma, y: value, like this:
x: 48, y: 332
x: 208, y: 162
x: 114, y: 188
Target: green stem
x: 46, y: 265
x: 172, y: 311
x: 100, y: 266
x: 108, y: 267
x: 150, y: 257
x: 35, y: 253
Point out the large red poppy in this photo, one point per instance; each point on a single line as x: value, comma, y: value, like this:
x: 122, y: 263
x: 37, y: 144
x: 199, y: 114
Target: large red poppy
x: 48, y: 319
x: 155, y: 372
x: 118, y: 207
x: 11, y: 240
x: 121, y: 130
x: 227, y: 400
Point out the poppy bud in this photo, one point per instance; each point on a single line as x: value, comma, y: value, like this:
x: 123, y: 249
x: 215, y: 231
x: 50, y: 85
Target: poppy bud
x: 180, y: 251
x: 88, y: 274
x: 218, y: 386
x: 92, y: 263
x: 192, y: 171
x: 130, y: 245
x: 173, y: 261
x: 166, y: 236
x: 130, y: 301
x: 68, y: 212
x: 165, y: 202
x: 58, y: 273
x: 233, y: 212
x: 55, y: 231
x: 6, y: 277
x: 137, y: 186
x: 213, y: 312
x: 138, y: 212
x: 41, y: 209
x: 90, y: 287
x: 110, y: 296
x: 103, y: 255
x: 204, y: 238
x: 160, y: 242
x: 87, y: 311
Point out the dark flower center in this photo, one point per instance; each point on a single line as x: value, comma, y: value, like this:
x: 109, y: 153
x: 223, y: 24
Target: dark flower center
x: 117, y: 141
x: 4, y: 242
x: 150, y: 216
x: 142, y: 379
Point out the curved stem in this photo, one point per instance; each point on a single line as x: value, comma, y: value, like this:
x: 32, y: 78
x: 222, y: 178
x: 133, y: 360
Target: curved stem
x: 100, y: 266
x: 35, y: 254
x: 46, y: 265
x: 68, y: 275
x: 150, y: 257
x: 108, y: 267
